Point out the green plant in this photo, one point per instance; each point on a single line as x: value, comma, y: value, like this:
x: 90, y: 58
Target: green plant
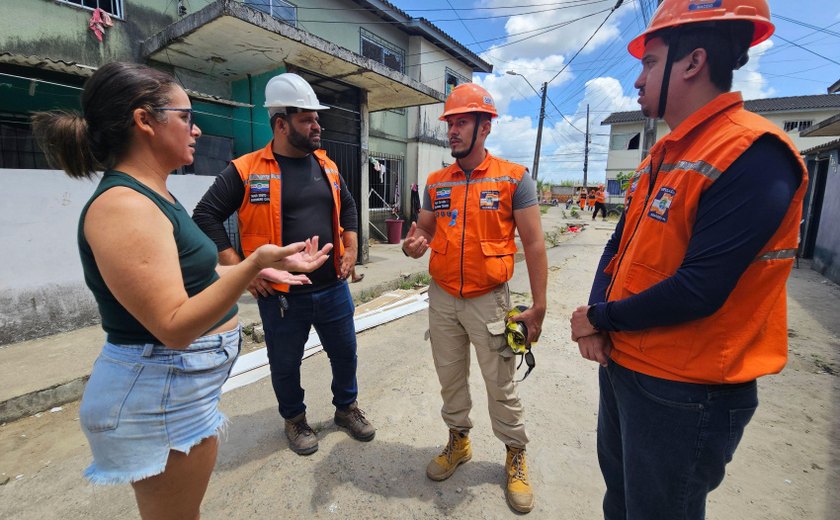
x: 416, y: 280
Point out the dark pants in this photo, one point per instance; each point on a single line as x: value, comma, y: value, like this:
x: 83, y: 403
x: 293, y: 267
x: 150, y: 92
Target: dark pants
x: 330, y: 311
x: 600, y: 206
x: 664, y: 445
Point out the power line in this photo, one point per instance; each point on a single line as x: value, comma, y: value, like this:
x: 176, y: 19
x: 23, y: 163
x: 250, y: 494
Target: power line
x: 806, y: 49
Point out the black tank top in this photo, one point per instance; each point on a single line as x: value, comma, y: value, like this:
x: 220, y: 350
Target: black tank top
x: 197, y: 256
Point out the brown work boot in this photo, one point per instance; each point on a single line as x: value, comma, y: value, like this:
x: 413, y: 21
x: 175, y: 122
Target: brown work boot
x: 302, y: 439
x: 519, y: 494
x: 353, y: 418
x: 456, y: 452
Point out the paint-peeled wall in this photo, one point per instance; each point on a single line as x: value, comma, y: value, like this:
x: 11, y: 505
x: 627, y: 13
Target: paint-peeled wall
x: 42, y: 289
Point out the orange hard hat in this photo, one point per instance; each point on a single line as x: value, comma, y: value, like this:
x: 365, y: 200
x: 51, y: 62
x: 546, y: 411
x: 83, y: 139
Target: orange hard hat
x: 673, y: 13
x: 466, y: 98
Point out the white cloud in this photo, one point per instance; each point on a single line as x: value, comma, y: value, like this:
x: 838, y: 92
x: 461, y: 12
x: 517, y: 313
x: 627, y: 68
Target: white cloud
x: 557, y: 30
x: 751, y: 83
x: 562, y: 148
x: 506, y: 88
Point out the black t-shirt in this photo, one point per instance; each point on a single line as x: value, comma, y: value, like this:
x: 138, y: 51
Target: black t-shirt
x: 306, y: 207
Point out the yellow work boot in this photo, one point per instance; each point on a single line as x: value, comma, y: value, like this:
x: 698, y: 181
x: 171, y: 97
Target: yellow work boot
x: 456, y: 452
x: 519, y: 494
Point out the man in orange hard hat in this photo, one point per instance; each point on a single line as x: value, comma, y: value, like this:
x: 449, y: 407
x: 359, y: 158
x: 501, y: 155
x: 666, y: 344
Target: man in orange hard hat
x: 685, y: 314
x: 471, y: 212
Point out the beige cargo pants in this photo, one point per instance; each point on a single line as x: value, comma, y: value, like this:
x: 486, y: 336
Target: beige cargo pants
x: 454, y: 323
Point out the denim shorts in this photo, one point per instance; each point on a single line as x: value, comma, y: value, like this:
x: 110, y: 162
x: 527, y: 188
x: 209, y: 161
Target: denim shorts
x: 144, y: 400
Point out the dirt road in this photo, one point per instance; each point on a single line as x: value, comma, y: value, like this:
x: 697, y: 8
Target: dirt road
x: 786, y: 468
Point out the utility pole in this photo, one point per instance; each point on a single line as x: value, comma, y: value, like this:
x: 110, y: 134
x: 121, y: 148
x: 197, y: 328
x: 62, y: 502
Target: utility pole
x: 649, y: 132
x: 586, y: 149
x: 539, y: 133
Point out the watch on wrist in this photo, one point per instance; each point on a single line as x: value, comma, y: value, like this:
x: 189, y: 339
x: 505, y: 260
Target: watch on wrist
x: 590, y: 315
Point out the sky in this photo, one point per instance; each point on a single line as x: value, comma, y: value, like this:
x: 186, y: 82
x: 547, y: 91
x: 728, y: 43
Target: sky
x: 580, y: 48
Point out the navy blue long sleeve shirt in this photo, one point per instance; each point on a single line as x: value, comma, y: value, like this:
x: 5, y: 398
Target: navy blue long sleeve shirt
x: 736, y: 217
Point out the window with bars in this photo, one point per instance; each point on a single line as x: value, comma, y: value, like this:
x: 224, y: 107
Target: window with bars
x: 386, y: 53
x: 112, y: 7
x: 385, y: 178
x: 790, y: 126
x: 278, y: 9
x: 18, y: 148
x: 453, y: 79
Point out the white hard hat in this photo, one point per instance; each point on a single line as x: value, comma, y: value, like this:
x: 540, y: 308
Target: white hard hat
x: 290, y: 90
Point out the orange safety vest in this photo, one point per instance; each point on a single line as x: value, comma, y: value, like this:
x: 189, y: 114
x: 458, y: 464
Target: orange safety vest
x: 600, y: 196
x: 473, y: 246
x: 260, y: 216
x: 745, y: 338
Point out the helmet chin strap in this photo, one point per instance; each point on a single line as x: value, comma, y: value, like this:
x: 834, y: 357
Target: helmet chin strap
x: 666, y: 74
x: 475, y: 134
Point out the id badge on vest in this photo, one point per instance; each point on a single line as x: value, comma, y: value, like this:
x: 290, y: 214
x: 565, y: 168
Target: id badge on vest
x: 258, y: 191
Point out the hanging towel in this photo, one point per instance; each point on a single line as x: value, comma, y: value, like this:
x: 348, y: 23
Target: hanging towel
x: 99, y: 22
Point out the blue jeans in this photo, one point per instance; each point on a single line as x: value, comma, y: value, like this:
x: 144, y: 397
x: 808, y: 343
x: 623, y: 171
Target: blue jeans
x: 664, y: 445
x: 330, y: 311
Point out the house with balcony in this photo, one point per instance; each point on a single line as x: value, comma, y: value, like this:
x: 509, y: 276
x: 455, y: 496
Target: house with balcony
x: 793, y: 114
x: 383, y: 73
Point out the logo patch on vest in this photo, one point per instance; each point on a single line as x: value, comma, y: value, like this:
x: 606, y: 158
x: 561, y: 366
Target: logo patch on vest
x: 489, y: 200
x: 661, y: 204
x: 258, y: 191
x: 443, y: 198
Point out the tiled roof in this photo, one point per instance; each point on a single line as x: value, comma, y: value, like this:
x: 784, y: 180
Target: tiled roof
x: 822, y: 147
x: 759, y: 106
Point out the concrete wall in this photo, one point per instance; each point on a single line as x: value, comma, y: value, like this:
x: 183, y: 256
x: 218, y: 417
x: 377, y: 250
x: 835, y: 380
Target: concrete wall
x: 42, y: 289
x: 60, y: 30
x: 827, y: 247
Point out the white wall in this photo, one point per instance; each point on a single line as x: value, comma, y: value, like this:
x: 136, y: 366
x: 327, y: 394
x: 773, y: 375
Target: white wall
x: 42, y: 288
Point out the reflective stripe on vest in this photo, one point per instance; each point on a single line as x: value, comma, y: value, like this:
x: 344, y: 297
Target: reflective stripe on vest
x: 745, y: 338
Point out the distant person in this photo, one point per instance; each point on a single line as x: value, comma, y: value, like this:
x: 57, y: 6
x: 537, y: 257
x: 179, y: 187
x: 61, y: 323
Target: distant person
x: 600, y: 203
x: 150, y: 409
x: 582, y: 199
x: 314, y: 201
x: 688, y: 306
x: 590, y: 200
x: 471, y: 212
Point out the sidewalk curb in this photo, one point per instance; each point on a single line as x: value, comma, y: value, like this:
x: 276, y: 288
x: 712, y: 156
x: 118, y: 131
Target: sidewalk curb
x: 41, y: 400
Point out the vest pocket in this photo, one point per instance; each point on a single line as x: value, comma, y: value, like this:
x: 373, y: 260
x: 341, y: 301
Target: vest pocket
x: 670, y: 346
x: 250, y: 242
x: 498, y: 255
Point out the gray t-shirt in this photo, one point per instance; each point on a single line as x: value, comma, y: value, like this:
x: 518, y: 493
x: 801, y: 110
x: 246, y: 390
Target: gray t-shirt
x: 524, y: 196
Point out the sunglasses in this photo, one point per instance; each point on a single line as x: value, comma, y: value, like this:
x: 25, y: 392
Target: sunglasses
x: 187, y: 111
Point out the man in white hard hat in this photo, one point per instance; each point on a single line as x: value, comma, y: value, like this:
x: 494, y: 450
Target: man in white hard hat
x: 287, y: 191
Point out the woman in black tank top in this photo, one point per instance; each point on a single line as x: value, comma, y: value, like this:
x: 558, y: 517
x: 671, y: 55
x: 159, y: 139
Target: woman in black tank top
x: 168, y: 310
